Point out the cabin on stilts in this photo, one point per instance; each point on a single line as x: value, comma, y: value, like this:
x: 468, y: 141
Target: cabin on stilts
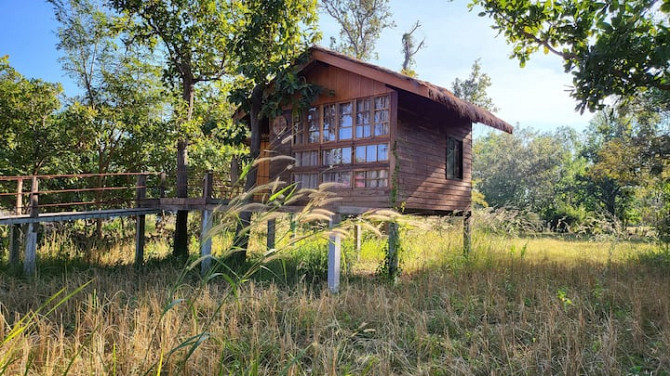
x: 389, y: 140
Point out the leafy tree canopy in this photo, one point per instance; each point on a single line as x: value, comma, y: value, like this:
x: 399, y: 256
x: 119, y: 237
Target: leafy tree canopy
x: 473, y: 89
x: 614, y: 47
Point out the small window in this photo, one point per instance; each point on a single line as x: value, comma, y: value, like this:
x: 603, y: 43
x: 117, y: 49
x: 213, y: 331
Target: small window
x: 454, y: 165
x: 346, y: 121
x: 381, y: 119
x: 314, y: 126
x: 363, y: 126
x: 337, y: 156
x: 372, y: 153
x: 371, y: 179
x: 306, y: 159
x: 341, y: 177
x: 298, y: 129
x: 306, y: 180
x: 329, y: 122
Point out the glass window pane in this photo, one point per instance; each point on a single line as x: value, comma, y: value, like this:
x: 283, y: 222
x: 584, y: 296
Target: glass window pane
x: 345, y: 133
x: 381, y: 102
x: 346, y: 155
x: 360, y: 154
x: 371, y: 154
x: 382, y: 152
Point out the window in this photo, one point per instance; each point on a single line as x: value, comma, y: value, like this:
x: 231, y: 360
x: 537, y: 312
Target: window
x: 306, y: 158
x: 371, y: 179
x: 454, y: 165
x: 314, y: 127
x: 306, y: 180
x: 336, y: 156
x: 329, y: 122
x: 381, y: 116
x: 298, y: 129
x: 346, y: 121
x: 340, y: 177
x: 363, y: 118
x: 372, y: 153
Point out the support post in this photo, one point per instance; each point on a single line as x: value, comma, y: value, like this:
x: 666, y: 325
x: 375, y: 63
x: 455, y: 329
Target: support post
x: 271, y: 234
x: 292, y: 225
x: 467, y: 236
x: 358, y: 239
x: 161, y: 188
x: 31, y: 235
x: 15, y: 230
x: 206, y: 227
x: 206, y: 242
x: 140, y: 224
x: 334, y: 255
x: 394, y: 242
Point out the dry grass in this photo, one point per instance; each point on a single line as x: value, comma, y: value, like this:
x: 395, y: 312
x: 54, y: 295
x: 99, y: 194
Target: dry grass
x: 517, y: 306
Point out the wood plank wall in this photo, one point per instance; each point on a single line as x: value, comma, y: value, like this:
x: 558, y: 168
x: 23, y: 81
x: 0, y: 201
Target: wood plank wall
x: 422, y: 131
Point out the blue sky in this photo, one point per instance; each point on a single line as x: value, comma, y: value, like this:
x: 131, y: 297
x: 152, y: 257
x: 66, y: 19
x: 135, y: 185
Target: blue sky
x: 534, y: 96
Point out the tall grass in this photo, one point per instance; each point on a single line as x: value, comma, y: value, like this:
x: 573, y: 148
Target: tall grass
x: 517, y: 305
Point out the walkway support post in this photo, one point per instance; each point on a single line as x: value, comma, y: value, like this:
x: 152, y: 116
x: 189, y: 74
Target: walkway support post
x: 271, y: 234
x: 140, y: 224
x: 206, y: 227
x: 334, y: 255
x: 15, y: 230
x: 393, y: 243
x: 31, y: 235
x: 467, y: 235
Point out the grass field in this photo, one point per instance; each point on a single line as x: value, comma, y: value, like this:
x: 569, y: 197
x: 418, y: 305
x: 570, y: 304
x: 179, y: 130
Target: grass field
x: 518, y: 305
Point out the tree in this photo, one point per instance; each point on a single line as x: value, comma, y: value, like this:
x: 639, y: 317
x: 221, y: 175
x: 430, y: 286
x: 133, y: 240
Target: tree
x: 194, y: 38
x: 409, y: 49
x: 117, y: 119
x: 34, y: 137
x: 473, y: 89
x: 361, y: 23
x: 618, y: 48
x: 268, y: 49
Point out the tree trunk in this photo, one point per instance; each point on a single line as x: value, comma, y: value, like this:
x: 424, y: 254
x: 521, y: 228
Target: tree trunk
x: 181, y: 227
x: 242, y: 238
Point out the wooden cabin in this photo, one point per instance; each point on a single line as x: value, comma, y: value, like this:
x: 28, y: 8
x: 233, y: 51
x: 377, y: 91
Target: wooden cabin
x: 389, y: 140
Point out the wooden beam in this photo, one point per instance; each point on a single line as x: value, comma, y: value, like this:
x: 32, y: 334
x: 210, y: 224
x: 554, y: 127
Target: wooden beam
x: 334, y: 255
x: 30, y: 258
x: 467, y: 236
x: 394, y: 245
x: 71, y: 216
x: 140, y: 224
x: 206, y: 242
x: 14, y: 244
x: 271, y: 234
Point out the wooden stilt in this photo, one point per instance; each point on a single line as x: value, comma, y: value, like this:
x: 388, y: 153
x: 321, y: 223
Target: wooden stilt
x: 205, y: 229
x: 206, y: 242
x: 292, y: 225
x: 467, y: 237
x: 140, y: 224
x: 29, y: 260
x: 357, y: 235
x: 271, y: 234
x: 334, y: 254
x: 14, y: 245
x: 394, y: 242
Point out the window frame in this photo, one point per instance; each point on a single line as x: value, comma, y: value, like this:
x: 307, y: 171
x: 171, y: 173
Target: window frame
x: 454, y: 166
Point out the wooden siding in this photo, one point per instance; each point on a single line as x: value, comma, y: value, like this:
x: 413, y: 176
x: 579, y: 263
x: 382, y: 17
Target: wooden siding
x: 340, y: 85
x: 421, y: 135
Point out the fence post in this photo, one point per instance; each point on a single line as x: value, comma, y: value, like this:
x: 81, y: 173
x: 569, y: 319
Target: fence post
x: 393, y: 242
x: 31, y: 236
x: 467, y: 234
x: 140, y: 224
x: 15, y: 230
x: 205, y: 236
x: 161, y: 191
x: 334, y: 255
x: 271, y: 234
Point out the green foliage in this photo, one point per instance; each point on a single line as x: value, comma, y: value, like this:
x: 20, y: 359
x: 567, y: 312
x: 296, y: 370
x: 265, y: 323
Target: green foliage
x: 361, y: 23
x: 473, y: 89
x: 611, y: 47
x: 34, y: 137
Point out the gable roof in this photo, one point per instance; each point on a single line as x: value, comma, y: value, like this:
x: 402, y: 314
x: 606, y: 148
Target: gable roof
x: 424, y: 89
